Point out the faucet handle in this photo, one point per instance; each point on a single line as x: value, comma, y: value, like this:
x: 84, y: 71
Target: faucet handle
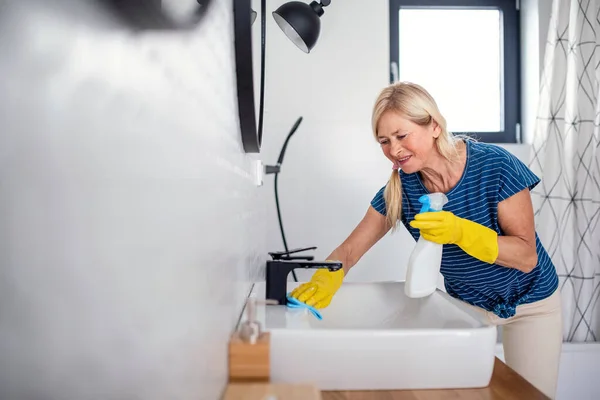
x: 278, y: 255
x: 250, y: 329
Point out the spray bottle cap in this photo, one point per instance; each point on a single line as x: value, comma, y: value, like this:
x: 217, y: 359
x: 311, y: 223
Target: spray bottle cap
x: 433, y: 202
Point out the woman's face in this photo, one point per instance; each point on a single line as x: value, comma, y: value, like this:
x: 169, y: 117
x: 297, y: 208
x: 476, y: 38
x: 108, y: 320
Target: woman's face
x: 406, y: 144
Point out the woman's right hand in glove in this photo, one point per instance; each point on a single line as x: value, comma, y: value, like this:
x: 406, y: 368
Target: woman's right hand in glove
x: 319, y: 291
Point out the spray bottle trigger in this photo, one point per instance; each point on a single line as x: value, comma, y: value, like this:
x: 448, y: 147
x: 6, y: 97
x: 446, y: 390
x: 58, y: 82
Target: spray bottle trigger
x: 426, y: 203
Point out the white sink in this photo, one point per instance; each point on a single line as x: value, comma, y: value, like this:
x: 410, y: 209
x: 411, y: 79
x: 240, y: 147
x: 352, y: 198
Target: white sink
x: 373, y: 337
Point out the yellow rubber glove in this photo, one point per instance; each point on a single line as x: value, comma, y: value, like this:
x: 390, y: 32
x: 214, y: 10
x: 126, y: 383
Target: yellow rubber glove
x: 319, y: 291
x: 444, y: 227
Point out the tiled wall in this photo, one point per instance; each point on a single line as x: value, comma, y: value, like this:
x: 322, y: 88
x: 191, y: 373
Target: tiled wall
x: 130, y: 224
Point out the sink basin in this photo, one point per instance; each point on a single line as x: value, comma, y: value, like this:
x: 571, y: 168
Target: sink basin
x: 373, y: 337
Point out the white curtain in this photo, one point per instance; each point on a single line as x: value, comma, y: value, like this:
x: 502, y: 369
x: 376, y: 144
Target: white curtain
x: 566, y: 155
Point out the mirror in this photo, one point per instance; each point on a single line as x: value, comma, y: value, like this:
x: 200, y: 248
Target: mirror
x: 187, y: 14
x: 299, y: 21
x: 244, y: 34
x: 161, y: 14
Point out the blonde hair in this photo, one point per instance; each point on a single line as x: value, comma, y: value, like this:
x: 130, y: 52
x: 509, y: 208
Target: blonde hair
x: 415, y: 104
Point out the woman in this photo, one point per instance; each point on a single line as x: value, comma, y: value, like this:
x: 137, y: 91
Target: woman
x: 492, y: 259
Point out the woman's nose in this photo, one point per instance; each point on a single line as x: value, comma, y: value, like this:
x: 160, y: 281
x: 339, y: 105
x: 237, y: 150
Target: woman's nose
x: 396, y: 149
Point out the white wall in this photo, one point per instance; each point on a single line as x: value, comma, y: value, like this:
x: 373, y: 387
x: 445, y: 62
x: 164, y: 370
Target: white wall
x: 530, y: 66
x: 535, y: 20
x: 333, y: 166
x: 544, y: 13
x: 130, y: 226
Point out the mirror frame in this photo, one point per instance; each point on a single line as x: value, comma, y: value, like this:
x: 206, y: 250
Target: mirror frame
x: 251, y: 134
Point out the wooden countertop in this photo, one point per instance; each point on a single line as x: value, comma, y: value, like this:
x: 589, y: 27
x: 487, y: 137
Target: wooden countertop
x: 505, y: 384
x: 264, y: 391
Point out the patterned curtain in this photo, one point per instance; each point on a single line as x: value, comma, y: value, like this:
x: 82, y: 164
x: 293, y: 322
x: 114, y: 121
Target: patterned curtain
x: 566, y: 155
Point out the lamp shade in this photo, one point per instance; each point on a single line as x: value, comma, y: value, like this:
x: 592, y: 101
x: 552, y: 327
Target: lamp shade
x: 300, y: 22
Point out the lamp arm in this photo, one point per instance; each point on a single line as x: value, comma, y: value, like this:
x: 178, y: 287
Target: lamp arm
x: 287, y: 139
x: 274, y: 169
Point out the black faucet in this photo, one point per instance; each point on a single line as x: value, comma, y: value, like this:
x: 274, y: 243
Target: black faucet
x: 278, y: 270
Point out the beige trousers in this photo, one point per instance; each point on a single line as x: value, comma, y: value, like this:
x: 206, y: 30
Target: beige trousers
x: 532, y: 341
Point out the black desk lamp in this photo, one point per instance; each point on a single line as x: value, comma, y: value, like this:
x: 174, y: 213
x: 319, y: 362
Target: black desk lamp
x: 301, y: 22
x: 276, y: 169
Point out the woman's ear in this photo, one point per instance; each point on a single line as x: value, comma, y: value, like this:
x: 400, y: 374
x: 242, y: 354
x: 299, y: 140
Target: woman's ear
x: 437, y: 129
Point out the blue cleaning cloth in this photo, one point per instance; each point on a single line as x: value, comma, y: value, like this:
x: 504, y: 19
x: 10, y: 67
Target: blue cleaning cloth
x: 295, y: 303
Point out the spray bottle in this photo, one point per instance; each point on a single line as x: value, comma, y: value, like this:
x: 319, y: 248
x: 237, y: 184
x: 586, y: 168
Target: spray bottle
x: 425, y: 261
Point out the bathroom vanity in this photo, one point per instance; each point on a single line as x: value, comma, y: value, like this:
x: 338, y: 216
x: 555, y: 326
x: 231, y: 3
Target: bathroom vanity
x: 374, y: 342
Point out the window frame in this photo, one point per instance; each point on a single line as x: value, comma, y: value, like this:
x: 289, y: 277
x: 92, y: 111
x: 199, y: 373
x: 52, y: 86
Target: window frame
x: 511, y: 55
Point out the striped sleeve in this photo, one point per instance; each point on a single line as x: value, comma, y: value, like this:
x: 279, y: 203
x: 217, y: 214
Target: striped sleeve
x: 378, y: 202
x: 515, y: 177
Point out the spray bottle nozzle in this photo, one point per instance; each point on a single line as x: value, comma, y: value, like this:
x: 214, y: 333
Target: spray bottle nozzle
x: 433, y: 202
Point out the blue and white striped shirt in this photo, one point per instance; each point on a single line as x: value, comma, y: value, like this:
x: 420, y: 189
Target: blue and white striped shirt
x: 491, y: 175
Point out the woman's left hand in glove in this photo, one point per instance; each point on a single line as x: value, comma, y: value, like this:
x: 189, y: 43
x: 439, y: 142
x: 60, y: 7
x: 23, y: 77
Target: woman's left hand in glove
x: 443, y: 227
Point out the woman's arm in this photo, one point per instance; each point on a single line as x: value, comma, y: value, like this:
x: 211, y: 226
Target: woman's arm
x: 517, y: 247
x: 370, y: 229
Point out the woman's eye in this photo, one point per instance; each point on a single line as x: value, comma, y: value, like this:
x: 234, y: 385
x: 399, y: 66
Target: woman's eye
x: 400, y: 137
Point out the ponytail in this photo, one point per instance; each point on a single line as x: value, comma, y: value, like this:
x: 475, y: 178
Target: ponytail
x: 393, y: 200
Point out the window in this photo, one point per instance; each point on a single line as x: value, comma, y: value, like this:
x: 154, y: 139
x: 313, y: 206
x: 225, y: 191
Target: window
x: 466, y: 54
